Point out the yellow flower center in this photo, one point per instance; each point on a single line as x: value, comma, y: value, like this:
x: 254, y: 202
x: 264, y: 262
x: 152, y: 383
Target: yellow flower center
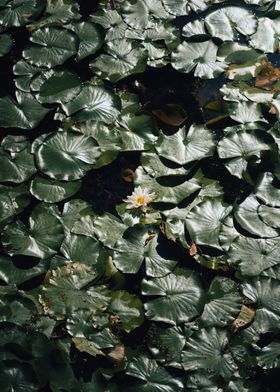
x: 140, y: 199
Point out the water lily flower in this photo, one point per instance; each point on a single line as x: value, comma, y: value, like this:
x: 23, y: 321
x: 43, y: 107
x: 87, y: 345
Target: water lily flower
x: 140, y: 198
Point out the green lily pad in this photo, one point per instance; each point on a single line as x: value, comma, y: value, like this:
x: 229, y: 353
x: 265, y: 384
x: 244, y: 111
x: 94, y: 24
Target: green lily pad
x: 16, y: 167
x: 252, y: 256
x: 137, y: 132
x: 128, y: 309
x: 166, y: 344
x: 86, y: 250
x: 137, y: 14
x: 64, y: 294
x: 247, y: 112
x: 264, y: 292
x: 266, y: 37
x: 52, y: 191
x: 166, y: 194
x: 267, y: 189
x: 13, y: 143
x: 153, y: 377
x: 123, y: 56
x: 205, y: 220
x: 13, y: 200
x: 24, y: 73
x: 66, y: 155
x: 199, y: 55
x: 93, y: 103
x: 239, y: 147
x: 107, y: 228
x: 51, y: 47
x: 246, y: 214
x: 19, y: 13
x: 186, y: 146
x: 112, y: 21
x: 226, y: 22
x: 42, y: 239
x: 180, y: 297
x: 223, y: 303
x: 270, y: 216
x: 206, y: 349
x: 25, y: 112
x: 12, y: 274
x: 90, y: 36
x: 269, y: 356
x: 137, y: 246
x: 59, y: 86
x: 57, y: 13
x: 19, y: 377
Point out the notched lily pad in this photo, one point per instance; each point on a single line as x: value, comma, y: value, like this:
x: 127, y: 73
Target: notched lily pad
x: 51, y: 46
x: 66, y: 155
x: 180, y: 297
x: 41, y: 239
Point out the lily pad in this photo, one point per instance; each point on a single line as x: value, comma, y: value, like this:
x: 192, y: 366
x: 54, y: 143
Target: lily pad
x: 90, y: 36
x: 199, y: 55
x: 51, y: 47
x: 226, y: 22
x: 137, y: 246
x: 16, y: 167
x: 252, y: 255
x: 67, y: 155
x: 207, y: 350
x: 59, y: 86
x: 25, y: 112
x: 186, y: 146
x: 180, y: 297
x: 204, y: 222
x: 128, y: 309
x: 93, y: 103
x: 42, y: 239
x: 223, y: 303
x: 153, y: 377
x: 124, y: 57
x: 239, y: 147
x: 52, y: 191
x: 57, y: 13
x: 67, y: 283
x: 18, y: 13
x: 267, y: 189
x: 246, y: 214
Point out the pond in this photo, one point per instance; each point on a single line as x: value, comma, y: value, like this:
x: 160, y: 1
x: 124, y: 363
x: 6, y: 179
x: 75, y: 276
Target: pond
x: 140, y: 195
